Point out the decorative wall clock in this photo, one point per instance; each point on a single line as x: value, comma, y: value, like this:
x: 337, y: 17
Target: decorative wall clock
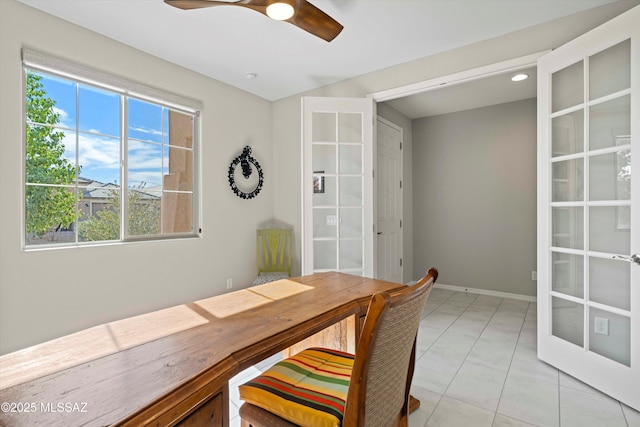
x: 246, y: 181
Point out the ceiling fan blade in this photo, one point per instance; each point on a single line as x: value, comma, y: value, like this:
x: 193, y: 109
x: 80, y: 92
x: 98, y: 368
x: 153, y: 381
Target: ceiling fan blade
x: 314, y: 21
x: 199, y: 4
x: 307, y: 17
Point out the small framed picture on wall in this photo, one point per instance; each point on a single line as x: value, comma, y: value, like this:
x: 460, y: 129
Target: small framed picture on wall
x: 318, y: 182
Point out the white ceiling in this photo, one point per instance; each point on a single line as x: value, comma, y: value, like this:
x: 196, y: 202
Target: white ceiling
x: 493, y: 90
x: 227, y: 42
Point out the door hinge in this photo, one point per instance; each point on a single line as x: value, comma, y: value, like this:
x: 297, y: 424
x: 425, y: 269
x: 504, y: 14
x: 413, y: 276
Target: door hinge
x: 400, y: 262
x: 400, y: 184
x: 400, y: 223
x: 401, y: 146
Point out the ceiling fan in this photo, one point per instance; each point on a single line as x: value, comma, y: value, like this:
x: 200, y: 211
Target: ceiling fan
x: 300, y: 13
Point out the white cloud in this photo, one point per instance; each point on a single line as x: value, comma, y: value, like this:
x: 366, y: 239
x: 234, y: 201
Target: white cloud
x: 95, y: 154
x: 99, y: 158
x: 144, y: 156
x: 63, y: 114
x: 64, y: 117
x: 104, y: 152
x: 146, y: 130
x: 150, y: 178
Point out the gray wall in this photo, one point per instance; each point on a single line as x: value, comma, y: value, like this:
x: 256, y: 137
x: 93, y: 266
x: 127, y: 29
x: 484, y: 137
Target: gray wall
x: 474, y: 196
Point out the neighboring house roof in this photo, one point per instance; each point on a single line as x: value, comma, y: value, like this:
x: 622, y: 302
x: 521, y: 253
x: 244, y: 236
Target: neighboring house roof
x: 100, y: 190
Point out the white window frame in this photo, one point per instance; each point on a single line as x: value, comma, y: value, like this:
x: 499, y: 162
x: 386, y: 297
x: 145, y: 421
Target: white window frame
x: 40, y: 62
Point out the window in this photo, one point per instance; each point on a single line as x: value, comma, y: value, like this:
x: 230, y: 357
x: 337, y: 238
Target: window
x: 105, y: 163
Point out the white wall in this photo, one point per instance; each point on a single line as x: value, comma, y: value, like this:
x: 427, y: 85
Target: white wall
x: 286, y: 136
x: 46, y: 294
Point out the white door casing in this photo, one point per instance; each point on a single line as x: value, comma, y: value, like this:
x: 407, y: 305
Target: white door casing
x: 389, y: 192
x: 588, y: 202
x: 337, y: 185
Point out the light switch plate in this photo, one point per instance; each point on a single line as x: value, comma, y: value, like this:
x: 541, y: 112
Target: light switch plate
x: 601, y: 326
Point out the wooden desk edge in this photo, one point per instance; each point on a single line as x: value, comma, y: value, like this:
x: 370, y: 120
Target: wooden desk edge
x: 211, y: 383
x: 177, y: 404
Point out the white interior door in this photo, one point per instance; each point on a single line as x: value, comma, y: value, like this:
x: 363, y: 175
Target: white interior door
x: 337, y: 190
x: 589, y: 208
x: 388, y: 176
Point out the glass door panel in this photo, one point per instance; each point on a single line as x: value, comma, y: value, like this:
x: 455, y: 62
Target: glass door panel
x: 567, y: 134
x: 351, y: 255
x: 351, y: 191
x: 324, y: 158
x: 609, y: 282
x: 568, y: 274
x: 324, y: 127
x: 568, y: 180
x: 568, y: 227
x: 567, y: 87
x: 350, y: 127
x: 568, y: 321
x: 609, y: 229
x: 325, y: 223
x: 615, y: 344
x: 324, y: 190
x: 350, y: 159
x: 610, y: 176
x: 325, y: 255
x: 351, y: 223
x: 609, y: 70
x: 610, y: 123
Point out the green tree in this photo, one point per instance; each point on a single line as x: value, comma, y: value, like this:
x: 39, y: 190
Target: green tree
x: 48, y: 208
x: 143, y: 217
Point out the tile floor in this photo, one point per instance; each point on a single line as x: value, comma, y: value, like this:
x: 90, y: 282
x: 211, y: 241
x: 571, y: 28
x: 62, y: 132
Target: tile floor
x: 476, y: 366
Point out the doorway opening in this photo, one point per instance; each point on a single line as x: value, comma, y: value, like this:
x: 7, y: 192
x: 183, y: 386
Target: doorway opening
x: 464, y: 91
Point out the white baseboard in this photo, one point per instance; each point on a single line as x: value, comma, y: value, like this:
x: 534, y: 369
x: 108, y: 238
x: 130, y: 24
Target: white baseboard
x: 498, y: 294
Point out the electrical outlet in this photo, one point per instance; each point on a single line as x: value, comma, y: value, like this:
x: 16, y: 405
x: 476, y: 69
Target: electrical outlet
x: 601, y: 326
x: 229, y: 283
x: 534, y: 275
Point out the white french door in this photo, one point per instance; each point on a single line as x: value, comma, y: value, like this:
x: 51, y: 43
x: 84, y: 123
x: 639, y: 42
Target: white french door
x: 589, y: 208
x: 337, y: 182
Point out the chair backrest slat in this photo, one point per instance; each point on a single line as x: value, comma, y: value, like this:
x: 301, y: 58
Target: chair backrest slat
x: 274, y: 250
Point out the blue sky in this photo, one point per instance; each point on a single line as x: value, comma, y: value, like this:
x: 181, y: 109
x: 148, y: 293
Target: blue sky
x: 92, y: 128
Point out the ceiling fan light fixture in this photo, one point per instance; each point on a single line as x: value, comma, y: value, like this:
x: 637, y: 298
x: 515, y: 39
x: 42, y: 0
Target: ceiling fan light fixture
x: 280, y: 11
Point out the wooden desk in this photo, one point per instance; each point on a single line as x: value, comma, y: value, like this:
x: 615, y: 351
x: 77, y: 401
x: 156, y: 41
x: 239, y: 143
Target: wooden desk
x: 172, y: 367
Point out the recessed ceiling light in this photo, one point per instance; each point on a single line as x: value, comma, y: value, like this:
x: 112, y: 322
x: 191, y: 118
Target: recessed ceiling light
x: 519, y: 77
x: 280, y: 11
x: 251, y: 76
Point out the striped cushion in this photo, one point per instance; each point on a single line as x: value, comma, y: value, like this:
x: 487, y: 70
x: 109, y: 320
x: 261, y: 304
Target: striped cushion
x: 308, y: 389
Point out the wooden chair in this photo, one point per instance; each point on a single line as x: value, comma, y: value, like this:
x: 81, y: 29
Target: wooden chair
x: 375, y: 392
x: 273, y: 249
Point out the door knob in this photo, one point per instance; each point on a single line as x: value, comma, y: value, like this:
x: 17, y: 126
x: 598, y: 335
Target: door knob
x: 635, y: 258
